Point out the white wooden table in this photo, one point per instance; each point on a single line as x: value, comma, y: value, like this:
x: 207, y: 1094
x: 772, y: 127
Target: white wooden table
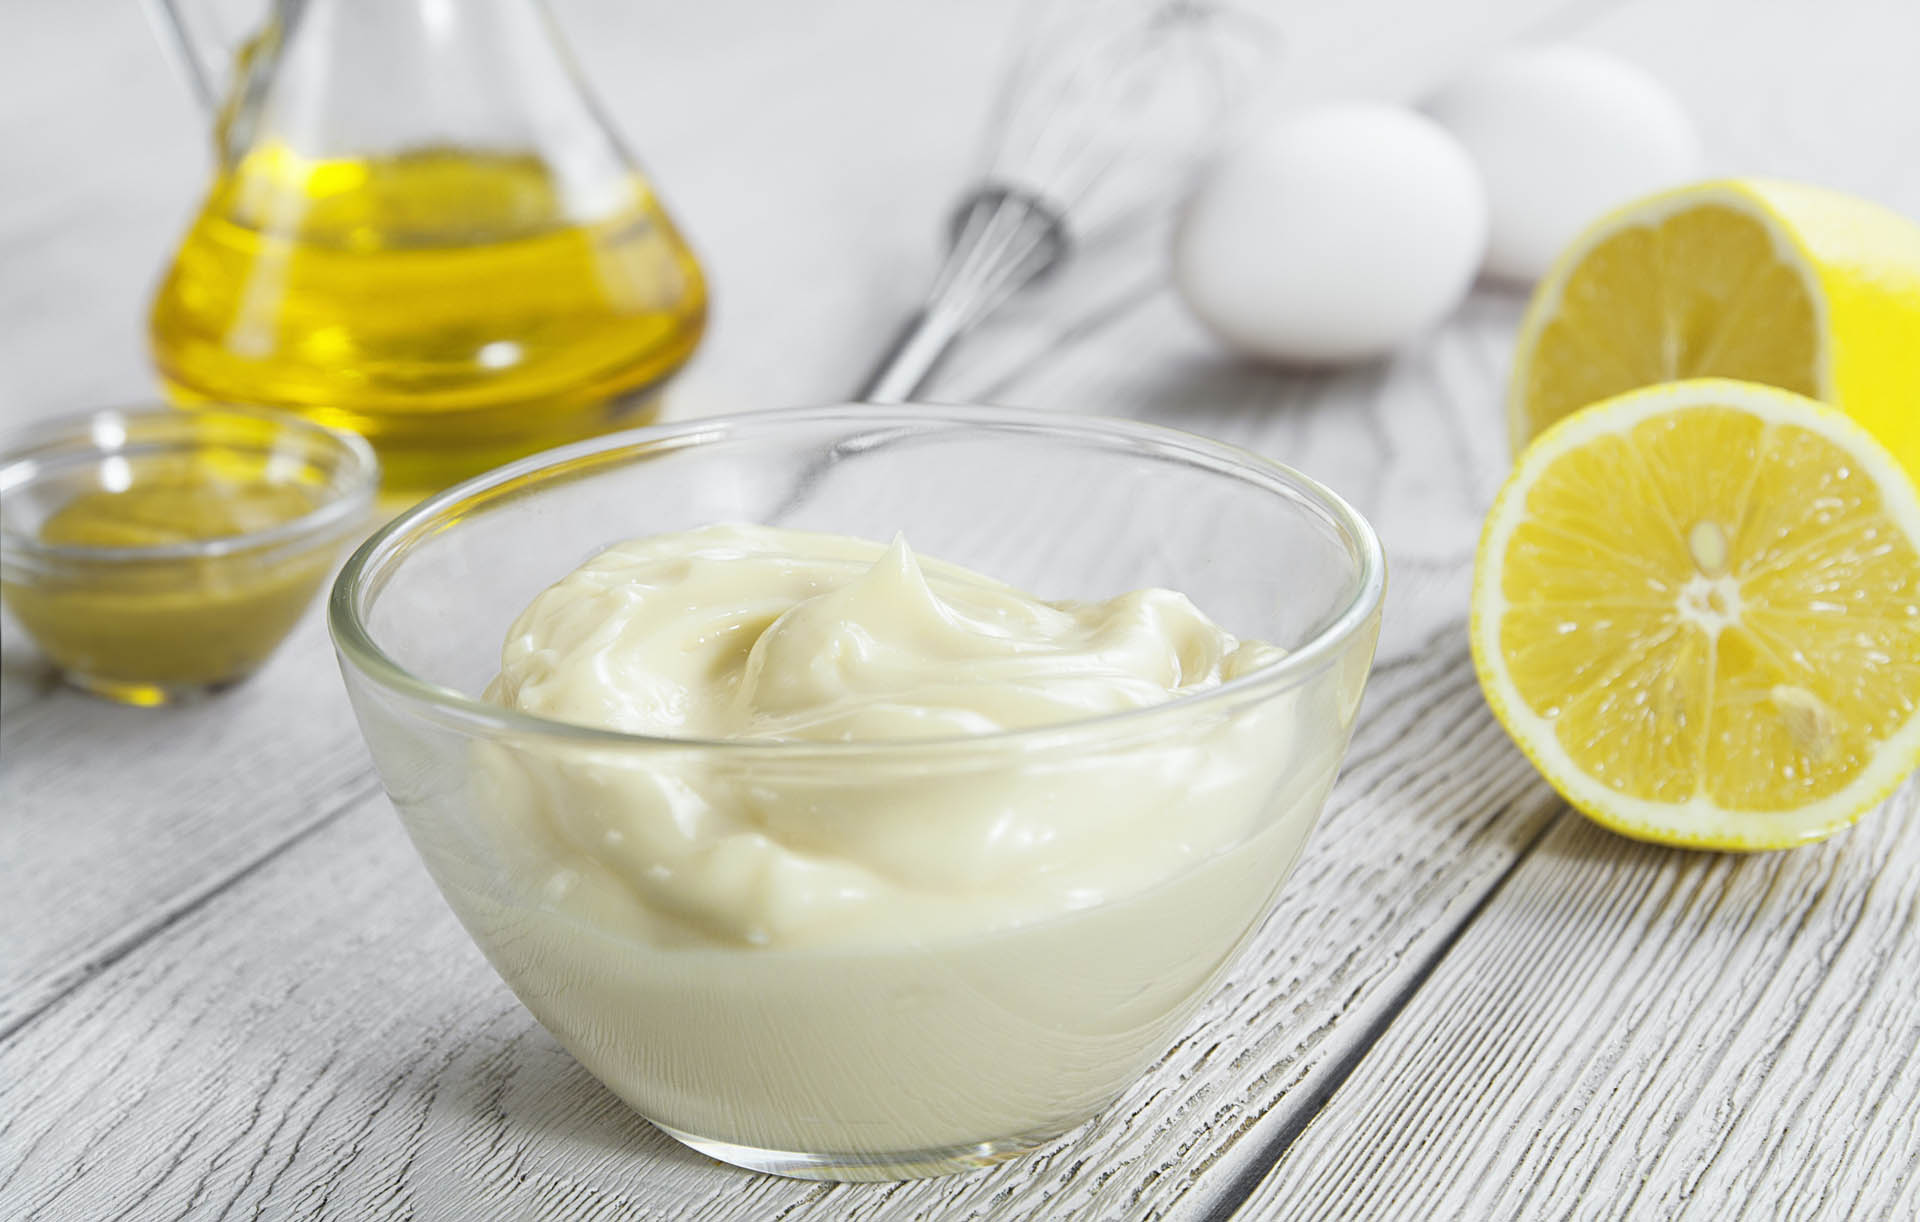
x: 228, y: 989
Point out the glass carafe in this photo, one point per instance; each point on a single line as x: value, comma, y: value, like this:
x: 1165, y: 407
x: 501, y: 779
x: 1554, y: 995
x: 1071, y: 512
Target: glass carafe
x: 420, y: 228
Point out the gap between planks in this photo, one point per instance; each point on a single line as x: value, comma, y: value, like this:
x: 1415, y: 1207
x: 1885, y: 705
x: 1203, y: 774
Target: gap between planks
x: 1742, y: 1031
x: 38, y: 994
x: 181, y: 804
x: 1336, y: 1075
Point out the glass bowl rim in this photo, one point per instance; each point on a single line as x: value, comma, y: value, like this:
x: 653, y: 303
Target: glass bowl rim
x: 343, y: 506
x: 460, y: 711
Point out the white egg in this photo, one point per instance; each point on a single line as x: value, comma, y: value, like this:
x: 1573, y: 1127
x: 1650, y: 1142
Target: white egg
x: 1562, y: 135
x: 1336, y: 235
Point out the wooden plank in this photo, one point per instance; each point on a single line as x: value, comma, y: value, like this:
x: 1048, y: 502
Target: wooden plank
x: 1634, y: 1030
x: 119, y: 820
x: 1724, y: 60
x: 103, y: 156
x: 320, y: 1039
x: 1416, y: 441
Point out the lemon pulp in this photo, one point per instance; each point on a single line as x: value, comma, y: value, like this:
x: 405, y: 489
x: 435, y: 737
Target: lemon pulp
x: 1697, y: 607
x: 1793, y: 286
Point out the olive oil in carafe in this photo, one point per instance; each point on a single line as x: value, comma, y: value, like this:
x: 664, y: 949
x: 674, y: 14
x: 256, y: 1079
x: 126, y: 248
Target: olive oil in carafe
x: 441, y: 302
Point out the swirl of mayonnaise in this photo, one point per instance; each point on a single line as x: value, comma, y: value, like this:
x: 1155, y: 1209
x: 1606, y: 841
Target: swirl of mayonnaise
x: 756, y: 633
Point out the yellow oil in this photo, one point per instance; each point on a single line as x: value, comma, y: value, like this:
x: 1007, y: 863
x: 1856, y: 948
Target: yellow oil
x: 440, y: 302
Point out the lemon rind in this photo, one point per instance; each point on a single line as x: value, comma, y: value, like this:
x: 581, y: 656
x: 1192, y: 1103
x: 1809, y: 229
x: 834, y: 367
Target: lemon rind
x: 1696, y: 823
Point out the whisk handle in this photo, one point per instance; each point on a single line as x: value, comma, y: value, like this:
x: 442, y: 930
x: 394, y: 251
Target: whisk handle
x: 1003, y: 238
x: 912, y: 357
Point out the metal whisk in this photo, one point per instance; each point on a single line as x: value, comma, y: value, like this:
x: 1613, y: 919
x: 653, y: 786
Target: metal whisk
x: 1103, y: 119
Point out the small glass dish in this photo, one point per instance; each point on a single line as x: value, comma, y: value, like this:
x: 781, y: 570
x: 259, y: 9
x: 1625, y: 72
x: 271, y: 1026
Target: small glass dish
x: 157, y: 555
x: 887, y: 1049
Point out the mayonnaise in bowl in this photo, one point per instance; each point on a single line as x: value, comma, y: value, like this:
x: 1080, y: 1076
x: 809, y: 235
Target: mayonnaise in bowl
x: 832, y: 859
x: 872, y: 958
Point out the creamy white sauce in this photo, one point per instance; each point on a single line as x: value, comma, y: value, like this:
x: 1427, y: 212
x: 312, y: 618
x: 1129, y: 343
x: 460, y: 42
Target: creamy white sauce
x: 959, y: 935
x: 755, y: 632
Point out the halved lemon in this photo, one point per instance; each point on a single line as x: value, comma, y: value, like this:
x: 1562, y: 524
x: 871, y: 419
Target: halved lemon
x: 1696, y: 607
x: 1794, y: 286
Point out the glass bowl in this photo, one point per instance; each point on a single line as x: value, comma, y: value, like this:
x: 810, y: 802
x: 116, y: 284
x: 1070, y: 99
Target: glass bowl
x: 156, y: 555
x: 878, y: 1051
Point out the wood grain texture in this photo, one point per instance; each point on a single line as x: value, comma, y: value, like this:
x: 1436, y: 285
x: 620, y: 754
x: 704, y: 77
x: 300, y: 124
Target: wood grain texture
x: 1415, y: 441
x: 320, y: 1039
x: 236, y: 994
x: 119, y: 820
x: 1634, y: 1031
